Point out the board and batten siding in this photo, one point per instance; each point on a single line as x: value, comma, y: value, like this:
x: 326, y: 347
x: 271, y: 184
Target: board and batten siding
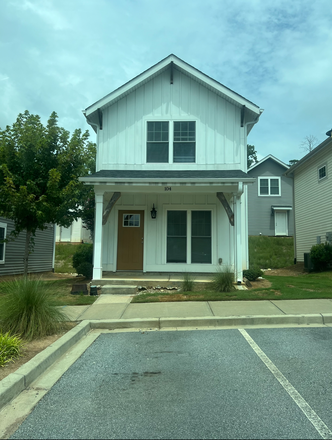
x: 155, y: 230
x: 312, y: 202
x: 220, y: 140
x: 40, y: 260
x: 260, y: 215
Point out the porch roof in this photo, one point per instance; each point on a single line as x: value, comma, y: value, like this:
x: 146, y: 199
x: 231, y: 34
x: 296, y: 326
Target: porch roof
x: 167, y: 176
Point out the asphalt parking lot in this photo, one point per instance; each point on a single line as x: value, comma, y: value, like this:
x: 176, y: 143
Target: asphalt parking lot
x: 253, y: 383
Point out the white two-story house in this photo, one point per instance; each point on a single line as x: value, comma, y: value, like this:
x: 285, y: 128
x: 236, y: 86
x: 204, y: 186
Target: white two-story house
x: 170, y: 181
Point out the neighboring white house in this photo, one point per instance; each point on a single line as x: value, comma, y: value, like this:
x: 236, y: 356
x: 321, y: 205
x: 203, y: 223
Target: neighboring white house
x: 170, y: 181
x: 76, y: 233
x: 270, y: 199
x: 312, y: 198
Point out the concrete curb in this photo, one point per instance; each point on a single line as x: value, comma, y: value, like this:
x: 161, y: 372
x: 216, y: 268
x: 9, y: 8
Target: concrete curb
x: 15, y: 383
x: 12, y: 385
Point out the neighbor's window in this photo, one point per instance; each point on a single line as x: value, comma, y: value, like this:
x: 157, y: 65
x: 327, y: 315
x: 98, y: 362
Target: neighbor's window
x: 184, y: 141
x: 131, y: 220
x: 322, y: 172
x: 3, y: 229
x: 157, y: 142
x: 269, y: 186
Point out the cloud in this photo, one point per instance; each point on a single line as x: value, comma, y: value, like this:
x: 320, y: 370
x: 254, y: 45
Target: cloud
x: 64, y: 56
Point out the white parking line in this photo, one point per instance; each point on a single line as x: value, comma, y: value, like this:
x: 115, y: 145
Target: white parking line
x: 317, y: 422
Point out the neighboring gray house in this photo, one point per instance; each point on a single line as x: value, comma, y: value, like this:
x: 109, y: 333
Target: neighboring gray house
x: 270, y: 199
x: 12, y: 253
x: 312, y: 198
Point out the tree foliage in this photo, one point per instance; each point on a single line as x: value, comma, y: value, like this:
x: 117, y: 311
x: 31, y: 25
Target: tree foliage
x: 39, y: 170
x: 251, y: 155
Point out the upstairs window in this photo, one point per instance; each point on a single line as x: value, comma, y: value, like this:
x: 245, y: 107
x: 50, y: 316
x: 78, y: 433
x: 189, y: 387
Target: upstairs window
x: 269, y: 186
x: 157, y: 142
x: 322, y: 172
x: 171, y: 141
x: 184, y: 142
x: 3, y: 230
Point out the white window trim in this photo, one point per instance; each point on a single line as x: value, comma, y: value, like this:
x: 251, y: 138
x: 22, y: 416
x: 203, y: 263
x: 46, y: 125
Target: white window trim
x: 189, y: 236
x: 170, y: 138
x: 320, y: 179
x: 4, y: 226
x: 268, y: 178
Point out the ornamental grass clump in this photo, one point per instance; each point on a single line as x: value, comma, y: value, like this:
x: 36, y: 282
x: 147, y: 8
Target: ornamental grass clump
x: 10, y: 348
x: 27, y: 309
x: 223, y: 280
x: 188, y: 283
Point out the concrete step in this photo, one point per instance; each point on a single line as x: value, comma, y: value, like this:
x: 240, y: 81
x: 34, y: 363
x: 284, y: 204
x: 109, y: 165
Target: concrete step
x: 115, y: 289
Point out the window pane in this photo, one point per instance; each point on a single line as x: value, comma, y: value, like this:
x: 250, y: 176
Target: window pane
x: 176, y: 237
x: 131, y: 220
x: 322, y: 172
x: 201, y: 237
x: 2, y: 246
x: 184, y: 131
x: 157, y: 142
x: 157, y: 152
x: 274, y: 186
x: 184, y: 152
x: 201, y: 250
x: 264, y: 186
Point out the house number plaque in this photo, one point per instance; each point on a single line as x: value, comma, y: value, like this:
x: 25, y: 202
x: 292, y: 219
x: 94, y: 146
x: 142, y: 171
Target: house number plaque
x: 168, y: 188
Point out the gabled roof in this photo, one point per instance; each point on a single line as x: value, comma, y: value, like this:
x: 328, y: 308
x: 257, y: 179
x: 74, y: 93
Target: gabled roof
x: 271, y: 157
x: 307, y: 157
x: 251, y: 110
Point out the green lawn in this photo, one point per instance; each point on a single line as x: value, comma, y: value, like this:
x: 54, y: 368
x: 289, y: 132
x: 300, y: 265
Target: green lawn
x: 271, y: 252
x: 64, y: 257
x: 306, y: 286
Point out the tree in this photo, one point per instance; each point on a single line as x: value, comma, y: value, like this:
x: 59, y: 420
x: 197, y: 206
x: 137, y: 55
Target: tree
x: 251, y: 155
x: 39, y: 170
x: 309, y: 143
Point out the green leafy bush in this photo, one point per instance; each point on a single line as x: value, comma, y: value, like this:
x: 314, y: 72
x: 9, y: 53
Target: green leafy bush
x: 253, y: 273
x: 10, y: 348
x: 27, y: 309
x: 85, y: 269
x: 188, y: 283
x: 83, y: 254
x: 321, y: 256
x: 223, y: 280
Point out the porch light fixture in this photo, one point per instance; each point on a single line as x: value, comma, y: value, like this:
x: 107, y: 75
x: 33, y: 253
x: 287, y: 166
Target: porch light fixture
x: 153, y: 212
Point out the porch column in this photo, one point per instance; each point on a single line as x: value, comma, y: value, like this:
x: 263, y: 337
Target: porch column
x: 97, y: 242
x: 238, y: 238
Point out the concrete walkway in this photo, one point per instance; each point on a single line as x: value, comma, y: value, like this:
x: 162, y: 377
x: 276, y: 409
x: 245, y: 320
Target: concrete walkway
x: 119, y: 307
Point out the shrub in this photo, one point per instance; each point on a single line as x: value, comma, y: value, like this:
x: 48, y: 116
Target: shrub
x: 83, y: 254
x: 321, y: 256
x: 10, y: 348
x: 85, y: 269
x: 223, y: 280
x: 253, y: 273
x: 27, y: 309
x: 188, y: 283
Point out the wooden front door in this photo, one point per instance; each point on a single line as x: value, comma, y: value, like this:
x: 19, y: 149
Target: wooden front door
x: 130, y: 240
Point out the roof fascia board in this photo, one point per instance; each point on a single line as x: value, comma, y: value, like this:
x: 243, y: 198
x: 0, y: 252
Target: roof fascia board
x: 187, y: 68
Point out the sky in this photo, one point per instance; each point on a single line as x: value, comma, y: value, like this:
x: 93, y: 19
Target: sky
x: 64, y: 55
